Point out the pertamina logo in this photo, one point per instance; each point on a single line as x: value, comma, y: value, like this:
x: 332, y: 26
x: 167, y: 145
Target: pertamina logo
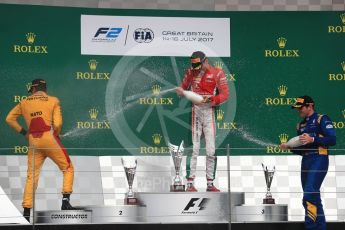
x: 282, y: 52
x: 107, y: 34
x: 229, y: 76
x: 143, y: 35
x: 283, y: 138
x: 338, y: 76
x: 282, y: 100
x: 30, y: 47
x: 195, y: 205
x: 94, y: 122
x: 338, y: 28
x: 222, y: 124
x: 93, y: 74
x: 156, y: 99
x: 157, y: 149
x: 340, y: 124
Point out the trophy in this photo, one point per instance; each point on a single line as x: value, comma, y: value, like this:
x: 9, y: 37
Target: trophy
x: 269, y: 177
x: 176, y: 154
x: 130, y: 166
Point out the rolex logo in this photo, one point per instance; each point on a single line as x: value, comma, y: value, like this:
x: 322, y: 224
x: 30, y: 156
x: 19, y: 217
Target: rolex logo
x: 343, y: 112
x: 342, y: 16
x: 283, y: 138
x: 93, y: 113
x: 92, y: 74
x: 338, y: 28
x: 156, y: 138
x: 281, y: 42
x: 30, y: 48
x: 95, y: 123
x: 219, y: 114
x: 219, y: 64
x: 30, y: 37
x: 281, y: 52
x: 282, y: 100
x: 28, y: 86
x: 338, y: 76
x: 93, y: 64
x: 282, y: 90
x: 156, y: 89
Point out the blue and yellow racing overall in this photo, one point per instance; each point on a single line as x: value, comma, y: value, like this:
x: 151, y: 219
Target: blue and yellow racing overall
x: 314, y: 166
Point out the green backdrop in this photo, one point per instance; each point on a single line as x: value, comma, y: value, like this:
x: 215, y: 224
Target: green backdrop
x: 263, y: 78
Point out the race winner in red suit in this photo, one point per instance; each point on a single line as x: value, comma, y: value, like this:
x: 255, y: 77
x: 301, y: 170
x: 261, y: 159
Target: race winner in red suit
x: 204, y: 79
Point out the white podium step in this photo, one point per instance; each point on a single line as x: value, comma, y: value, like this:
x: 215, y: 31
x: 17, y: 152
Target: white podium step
x: 186, y: 207
x: 117, y: 214
x: 63, y: 217
x: 261, y: 213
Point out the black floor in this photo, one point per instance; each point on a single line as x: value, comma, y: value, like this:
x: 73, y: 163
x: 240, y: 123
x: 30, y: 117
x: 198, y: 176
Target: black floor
x: 235, y: 226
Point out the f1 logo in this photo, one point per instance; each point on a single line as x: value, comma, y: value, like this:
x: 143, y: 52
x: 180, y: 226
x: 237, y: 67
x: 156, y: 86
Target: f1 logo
x: 193, y: 202
x: 109, y: 32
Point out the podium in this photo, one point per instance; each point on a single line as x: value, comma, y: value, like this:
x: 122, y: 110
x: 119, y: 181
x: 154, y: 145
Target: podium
x: 181, y: 207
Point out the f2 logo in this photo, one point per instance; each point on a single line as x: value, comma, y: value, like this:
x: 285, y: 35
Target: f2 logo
x: 193, y: 203
x: 109, y: 32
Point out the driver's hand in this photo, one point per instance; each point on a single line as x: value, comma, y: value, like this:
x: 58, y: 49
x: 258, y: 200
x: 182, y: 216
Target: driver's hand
x: 206, y: 100
x: 179, y: 91
x: 283, y: 146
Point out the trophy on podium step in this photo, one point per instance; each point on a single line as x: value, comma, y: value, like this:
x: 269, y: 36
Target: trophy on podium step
x: 269, y: 173
x: 130, y: 166
x: 176, y: 153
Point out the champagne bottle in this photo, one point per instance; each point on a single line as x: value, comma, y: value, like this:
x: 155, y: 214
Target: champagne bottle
x: 193, y: 97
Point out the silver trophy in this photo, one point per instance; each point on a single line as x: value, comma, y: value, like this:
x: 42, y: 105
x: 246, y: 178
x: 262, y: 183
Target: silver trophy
x: 130, y: 167
x: 269, y: 173
x: 176, y: 153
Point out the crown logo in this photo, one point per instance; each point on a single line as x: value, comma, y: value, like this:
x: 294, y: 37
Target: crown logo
x: 343, y: 65
x: 342, y: 16
x: 281, y: 42
x: 93, y: 113
x: 156, y: 89
x: 219, y: 114
x: 30, y: 37
x: 219, y: 64
x: 343, y: 112
x: 156, y: 138
x: 93, y: 64
x: 283, y: 138
x: 28, y: 86
x: 282, y: 90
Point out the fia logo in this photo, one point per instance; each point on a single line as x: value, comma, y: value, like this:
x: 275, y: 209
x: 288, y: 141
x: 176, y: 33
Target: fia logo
x: 143, y: 35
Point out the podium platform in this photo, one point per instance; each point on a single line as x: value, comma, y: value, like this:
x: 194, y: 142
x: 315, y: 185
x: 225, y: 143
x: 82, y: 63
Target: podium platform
x: 179, y: 207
